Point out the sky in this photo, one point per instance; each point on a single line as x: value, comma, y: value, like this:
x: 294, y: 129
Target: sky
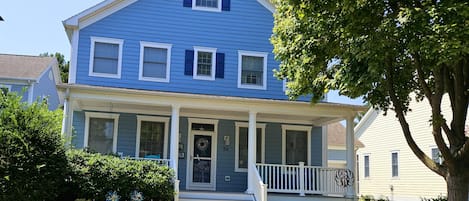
x: 32, y: 27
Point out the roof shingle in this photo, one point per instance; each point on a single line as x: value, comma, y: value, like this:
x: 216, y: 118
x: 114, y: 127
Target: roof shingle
x: 23, y: 67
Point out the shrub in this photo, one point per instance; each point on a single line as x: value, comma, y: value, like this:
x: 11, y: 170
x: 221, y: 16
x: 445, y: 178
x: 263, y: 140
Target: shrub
x: 371, y: 198
x: 93, y: 175
x: 439, y: 198
x: 32, y: 153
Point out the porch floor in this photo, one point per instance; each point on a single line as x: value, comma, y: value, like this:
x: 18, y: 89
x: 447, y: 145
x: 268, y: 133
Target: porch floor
x: 296, y: 197
x: 229, y: 196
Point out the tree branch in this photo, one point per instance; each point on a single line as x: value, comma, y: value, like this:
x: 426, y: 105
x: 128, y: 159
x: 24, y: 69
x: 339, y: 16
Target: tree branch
x: 421, y: 79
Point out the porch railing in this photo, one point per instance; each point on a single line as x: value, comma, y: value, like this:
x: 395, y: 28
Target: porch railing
x: 164, y: 162
x: 304, y: 179
x: 260, y: 189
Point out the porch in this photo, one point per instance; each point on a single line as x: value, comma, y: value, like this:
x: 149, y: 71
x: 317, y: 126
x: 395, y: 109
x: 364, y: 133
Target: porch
x: 220, y: 144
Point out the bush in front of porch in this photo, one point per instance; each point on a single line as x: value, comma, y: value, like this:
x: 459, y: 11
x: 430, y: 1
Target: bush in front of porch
x: 93, y: 175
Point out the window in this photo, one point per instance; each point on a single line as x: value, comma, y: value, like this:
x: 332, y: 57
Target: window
x: 207, y: 5
x: 436, y: 156
x: 252, y: 68
x: 105, y: 57
x: 155, y: 60
x: 395, y: 164
x: 101, y: 132
x: 204, y: 63
x: 152, y: 137
x: 366, y: 161
x: 4, y: 89
x: 241, y: 149
x: 296, y: 146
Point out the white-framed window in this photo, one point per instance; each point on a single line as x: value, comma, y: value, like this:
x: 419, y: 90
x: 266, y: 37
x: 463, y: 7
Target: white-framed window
x: 155, y: 61
x: 395, y: 164
x: 296, y: 144
x: 241, y: 145
x: 436, y: 155
x: 252, y: 70
x: 366, y: 166
x: 5, y: 88
x: 204, y: 63
x: 152, y: 137
x: 207, y: 5
x: 101, y: 132
x: 106, y: 57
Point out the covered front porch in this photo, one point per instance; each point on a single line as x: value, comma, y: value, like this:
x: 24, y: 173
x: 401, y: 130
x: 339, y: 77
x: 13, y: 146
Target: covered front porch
x: 261, y: 148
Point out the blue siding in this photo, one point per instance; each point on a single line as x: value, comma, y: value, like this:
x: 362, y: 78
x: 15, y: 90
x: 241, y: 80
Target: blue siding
x: 46, y: 87
x: 78, y: 129
x: 127, y: 134
x: 316, y: 146
x: 248, y: 26
x: 333, y: 154
x: 21, y: 90
x: 183, y: 129
x: 273, y: 143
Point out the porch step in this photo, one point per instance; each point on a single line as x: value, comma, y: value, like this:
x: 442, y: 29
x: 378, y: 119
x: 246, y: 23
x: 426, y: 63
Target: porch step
x: 213, y: 196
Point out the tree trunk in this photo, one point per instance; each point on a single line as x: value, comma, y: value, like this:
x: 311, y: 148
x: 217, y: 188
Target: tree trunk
x: 457, y: 187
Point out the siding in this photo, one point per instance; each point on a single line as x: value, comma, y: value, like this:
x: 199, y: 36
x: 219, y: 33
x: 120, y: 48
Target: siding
x: 21, y: 90
x: 334, y: 154
x: 415, y: 180
x: 248, y: 26
x: 46, y: 88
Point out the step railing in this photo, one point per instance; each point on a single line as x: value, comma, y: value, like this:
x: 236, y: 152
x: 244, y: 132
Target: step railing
x: 305, y: 179
x: 260, y: 188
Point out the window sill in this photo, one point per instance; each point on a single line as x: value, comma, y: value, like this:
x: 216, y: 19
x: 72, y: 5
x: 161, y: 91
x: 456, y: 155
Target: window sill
x: 247, y: 86
x: 150, y: 79
x: 116, y: 76
x: 218, y: 10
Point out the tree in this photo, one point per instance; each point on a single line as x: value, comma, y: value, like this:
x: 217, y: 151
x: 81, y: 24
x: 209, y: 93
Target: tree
x: 63, y: 65
x: 389, y: 52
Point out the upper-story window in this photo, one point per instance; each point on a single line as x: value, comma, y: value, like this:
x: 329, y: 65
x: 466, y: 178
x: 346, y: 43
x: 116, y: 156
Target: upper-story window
x: 204, y: 63
x: 155, y: 60
x: 252, y: 70
x: 106, y: 57
x: 208, y: 5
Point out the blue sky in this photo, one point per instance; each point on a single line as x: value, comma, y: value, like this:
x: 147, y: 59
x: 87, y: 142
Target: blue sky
x: 35, y: 27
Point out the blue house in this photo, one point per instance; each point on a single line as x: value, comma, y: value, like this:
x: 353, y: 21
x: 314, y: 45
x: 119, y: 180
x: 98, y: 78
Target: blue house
x: 190, y: 84
x: 32, y: 77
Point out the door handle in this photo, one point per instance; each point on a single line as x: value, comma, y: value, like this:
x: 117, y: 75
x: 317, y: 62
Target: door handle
x: 198, y: 158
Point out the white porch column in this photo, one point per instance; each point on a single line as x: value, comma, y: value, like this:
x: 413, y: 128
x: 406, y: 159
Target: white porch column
x: 67, y: 118
x: 350, y: 141
x: 251, y: 149
x: 174, y: 152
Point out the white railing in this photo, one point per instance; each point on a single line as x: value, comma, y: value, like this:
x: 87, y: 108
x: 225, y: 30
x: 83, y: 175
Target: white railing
x: 302, y: 179
x: 164, y: 162
x: 260, y: 189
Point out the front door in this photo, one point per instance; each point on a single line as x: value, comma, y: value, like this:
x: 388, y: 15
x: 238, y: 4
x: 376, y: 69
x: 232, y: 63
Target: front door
x: 202, y: 159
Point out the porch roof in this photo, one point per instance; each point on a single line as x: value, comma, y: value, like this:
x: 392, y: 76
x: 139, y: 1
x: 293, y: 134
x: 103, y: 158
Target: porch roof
x: 121, y: 99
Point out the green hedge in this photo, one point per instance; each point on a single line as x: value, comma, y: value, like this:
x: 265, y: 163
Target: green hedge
x: 32, y: 154
x: 93, y: 175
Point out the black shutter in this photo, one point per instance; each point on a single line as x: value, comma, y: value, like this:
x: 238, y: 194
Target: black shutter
x: 189, y: 65
x: 188, y: 3
x: 225, y: 5
x: 220, y: 66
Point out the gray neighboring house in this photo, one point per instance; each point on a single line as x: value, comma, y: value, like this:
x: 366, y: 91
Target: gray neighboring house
x: 32, y: 77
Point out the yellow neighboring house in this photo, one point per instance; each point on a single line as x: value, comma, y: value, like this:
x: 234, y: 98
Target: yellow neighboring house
x: 386, y: 165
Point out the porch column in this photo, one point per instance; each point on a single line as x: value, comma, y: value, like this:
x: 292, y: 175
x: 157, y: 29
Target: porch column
x: 67, y: 118
x: 251, y: 149
x: 174, y: 153
x: 350, y: 141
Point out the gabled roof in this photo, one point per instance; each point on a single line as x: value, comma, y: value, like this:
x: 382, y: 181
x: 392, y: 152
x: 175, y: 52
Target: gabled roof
x: 108, y: 7
x: 336, y: 136
x: 21, y: 67
x: 366, y: 121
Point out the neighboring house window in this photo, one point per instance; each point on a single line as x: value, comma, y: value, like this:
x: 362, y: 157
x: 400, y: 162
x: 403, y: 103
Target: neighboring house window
x: 241, y: 152
x: 366, y: 161
x: 152, y: 137
x: 101, y: 132
x: 204, y: 63
x: 4, y: 89
x: 252, y: 70
x: 155, y: 60
x: 208, y: 5
x: 106, y: 57
x: 395, y: 164
x: 436, y: 156
x: 296, y: 146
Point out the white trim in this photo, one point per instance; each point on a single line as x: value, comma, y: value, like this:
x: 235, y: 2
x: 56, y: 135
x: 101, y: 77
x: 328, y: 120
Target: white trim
x: 166, y: 46
x: 398, y: 171
x: 284, y: 140
x: 267, y: 4
x: 202, y: 8
x: 366, y: 122
x: 190, y: 140
x: 264, y: 55
x: 213, y: 51
x: 31, y: 93
x: 284, y: 82
x: 89, y: 115
x: 246, y: 125
x: 72, y: 73
x: 119, y: 42
x: 164, y: 120
x: 325, y: 146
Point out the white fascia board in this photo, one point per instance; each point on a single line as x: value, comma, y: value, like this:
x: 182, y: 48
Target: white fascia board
x: 267, y: 4
x: 365, y: 122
